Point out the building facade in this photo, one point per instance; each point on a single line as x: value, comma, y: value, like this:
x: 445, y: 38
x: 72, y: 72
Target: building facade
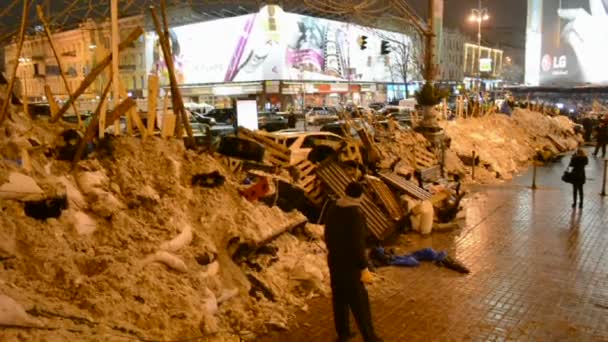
x: 80, y: 50
x: 451, y: 67
x: 482, y: 63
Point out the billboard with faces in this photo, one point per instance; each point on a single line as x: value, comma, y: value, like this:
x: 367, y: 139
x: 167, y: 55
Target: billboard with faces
x: 573, y: 42
x: 275, y: 45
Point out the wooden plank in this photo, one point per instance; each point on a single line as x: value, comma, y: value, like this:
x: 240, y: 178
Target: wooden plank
x: 405, y: 186
x: 114, y: 41
x: 386, y: 197
x: 98, y: 69
x: 265, y: 140
x: 66, y: 84
x: 336, y: 179
x: 54, y: 107
x: 176, y: 97
x: 11, y: 82
x: 168, y: 125
x: 94, y: 126
x: 103, y: 114
x: 153, y: 84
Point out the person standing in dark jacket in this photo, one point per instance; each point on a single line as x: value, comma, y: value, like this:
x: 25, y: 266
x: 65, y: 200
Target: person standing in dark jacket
x: 602, y: 139
x: 577, y: 163
x: 344, y: 236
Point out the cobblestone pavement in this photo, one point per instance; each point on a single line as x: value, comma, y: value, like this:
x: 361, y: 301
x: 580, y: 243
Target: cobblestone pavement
x: 539, y: 272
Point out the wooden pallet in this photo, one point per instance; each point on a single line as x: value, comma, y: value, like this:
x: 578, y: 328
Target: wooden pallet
x: 379, y: 223
x: 385, y: 197
x: 351, y: 152
x: 406, y: 186
x: 275, y: 153
x: 309, y: 181
x: 424, y: 158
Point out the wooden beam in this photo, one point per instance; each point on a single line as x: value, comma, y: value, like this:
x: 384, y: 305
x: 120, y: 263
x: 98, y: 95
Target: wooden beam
x: 152, y: 101
x: 49, y: 36
x: 133, y: 116
x: 176, y: 98
x: 11, y: 82
x: 98, y: 69
x: 116, y: 58
x: 92, y: 128
x: 51, y: 99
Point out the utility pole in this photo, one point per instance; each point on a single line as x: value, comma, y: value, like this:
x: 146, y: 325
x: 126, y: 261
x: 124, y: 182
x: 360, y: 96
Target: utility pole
x: 115, y: 61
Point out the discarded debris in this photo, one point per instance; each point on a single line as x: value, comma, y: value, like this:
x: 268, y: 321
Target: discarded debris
x: 208, y: 180
x: 46, y: 208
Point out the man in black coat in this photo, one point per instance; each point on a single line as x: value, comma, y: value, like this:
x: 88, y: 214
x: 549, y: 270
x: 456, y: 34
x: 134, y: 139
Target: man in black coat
x: 602, y: 139
x: 344, y: 236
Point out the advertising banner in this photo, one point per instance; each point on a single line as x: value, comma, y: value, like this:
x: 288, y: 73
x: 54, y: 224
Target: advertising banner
x: 275, y: 45
x: 574, y: 43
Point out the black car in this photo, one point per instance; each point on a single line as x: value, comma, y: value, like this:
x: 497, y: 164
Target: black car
x: 217, y: 116
x: 271, y: 122
x: 376, y: 105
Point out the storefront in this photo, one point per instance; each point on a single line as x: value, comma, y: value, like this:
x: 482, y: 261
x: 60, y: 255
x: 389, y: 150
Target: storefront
x: 280, y: 59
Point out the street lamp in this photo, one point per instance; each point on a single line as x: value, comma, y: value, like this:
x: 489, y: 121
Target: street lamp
x: 479, y: 15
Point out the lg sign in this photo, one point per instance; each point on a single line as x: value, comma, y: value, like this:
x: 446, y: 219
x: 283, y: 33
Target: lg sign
x: 555, y: 63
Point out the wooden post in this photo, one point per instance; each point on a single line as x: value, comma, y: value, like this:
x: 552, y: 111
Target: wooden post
x: 11, y: 82
x: 152, y: 101
x: 176, y: 98
x: 98, y: 69
x: 51, y: 99
x: 133, y: 116
x: 95, y: 122
x: 115, y: 59
x: 24, y: 99
x: 49, y: 36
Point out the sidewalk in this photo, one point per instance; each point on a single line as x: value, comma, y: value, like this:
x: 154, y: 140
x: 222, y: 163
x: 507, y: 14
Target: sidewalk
x: 539, y: 272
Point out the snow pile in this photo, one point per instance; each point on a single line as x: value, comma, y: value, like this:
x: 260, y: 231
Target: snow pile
x: 504, y: 144
x: 139, y: 252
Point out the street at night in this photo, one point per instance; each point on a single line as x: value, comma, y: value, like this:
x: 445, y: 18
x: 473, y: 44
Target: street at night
x: 278, y: 171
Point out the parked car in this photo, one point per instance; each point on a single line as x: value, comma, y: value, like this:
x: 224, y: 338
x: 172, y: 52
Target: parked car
x: 376, y: 105
x: 271, y: 121
x: 339, y: 128
x: 403, y: 118
x: 320, y: 115
x: 218, y: 115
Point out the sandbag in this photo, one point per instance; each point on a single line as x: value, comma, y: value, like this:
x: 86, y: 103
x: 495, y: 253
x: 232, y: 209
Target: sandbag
x: 422, y: 217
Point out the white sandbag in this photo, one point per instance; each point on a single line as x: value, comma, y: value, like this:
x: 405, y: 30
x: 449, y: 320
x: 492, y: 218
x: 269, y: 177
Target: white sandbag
x: 227, y: 295
x: 75, y: 198
x: 182, y: 239
x: 91, y: 182
x: 209, y: 323
x: 19, y: 186
x: 422, y: 217
x: 83, y: 223
x: 168, y: 259
x: 13, y: 314
x: 210, y: 305
x: 211, y: 270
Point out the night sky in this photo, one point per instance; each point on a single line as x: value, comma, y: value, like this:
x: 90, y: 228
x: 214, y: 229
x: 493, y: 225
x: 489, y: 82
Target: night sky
x: 506, y: 27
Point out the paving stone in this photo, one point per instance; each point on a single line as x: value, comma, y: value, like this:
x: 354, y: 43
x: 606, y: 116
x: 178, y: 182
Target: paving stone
x: 539, y: 272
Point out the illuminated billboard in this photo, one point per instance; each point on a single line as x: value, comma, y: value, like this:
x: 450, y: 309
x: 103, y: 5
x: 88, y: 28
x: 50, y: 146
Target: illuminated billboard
x: 567, y: 42
x: 275, y: 45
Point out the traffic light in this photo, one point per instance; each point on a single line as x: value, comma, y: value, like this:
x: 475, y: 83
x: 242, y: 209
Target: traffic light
x: 385, y: 48
x: 362, y: 42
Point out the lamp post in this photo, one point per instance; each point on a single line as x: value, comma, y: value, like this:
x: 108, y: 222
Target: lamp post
x: 479, y: 15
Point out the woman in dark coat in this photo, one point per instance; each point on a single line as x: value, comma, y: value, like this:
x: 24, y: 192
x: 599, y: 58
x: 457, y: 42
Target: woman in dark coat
x: 577, y: 163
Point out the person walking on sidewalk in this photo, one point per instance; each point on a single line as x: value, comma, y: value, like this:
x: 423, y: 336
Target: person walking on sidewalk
x: 602, y: 138
x: 577, y: 163
x: 345, y: 227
